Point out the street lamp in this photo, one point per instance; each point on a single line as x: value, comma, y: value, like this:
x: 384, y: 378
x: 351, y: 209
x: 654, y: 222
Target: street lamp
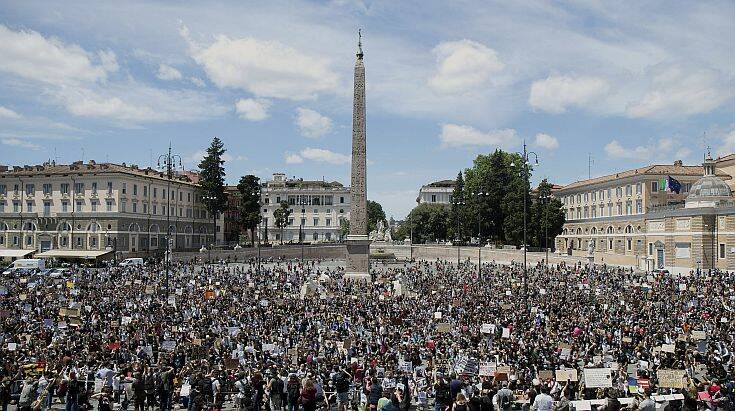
x: 478, y: 195
x: 545, y: 199
x: 169, y: 162
x: 458, y: 237
x: 208, y: 198
x: 525, y: 156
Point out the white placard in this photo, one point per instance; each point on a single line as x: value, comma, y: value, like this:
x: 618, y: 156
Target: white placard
x: 487, y: 329
x: 597, y: 378
x: 506, y: 332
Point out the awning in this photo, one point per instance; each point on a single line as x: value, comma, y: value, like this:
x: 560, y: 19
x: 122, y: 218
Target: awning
x: 79, y: 254
x: 5, y: 253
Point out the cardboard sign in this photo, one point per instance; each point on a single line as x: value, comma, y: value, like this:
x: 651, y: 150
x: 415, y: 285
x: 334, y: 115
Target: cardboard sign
x: 566, y: 375
x: 670, y: 348
x: 443, y: 328
x: 185, y: 390
x: 168, y: 345
x: 12, y: 346
x: 487, y: 329
x: 487, y: 369
x: 438, y: 315
x: 597, y: 378
x: 699, y: 335
x: 405, y: 366
x: 545, y: 375
x: 671, y: 378
x: 506, y: 332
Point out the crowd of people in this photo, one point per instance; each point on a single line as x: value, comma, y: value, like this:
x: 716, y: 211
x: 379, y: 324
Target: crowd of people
x: 426, y: 334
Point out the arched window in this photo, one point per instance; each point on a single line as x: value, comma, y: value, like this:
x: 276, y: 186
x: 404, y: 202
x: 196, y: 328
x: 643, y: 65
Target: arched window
x: 594, y: 230
x: 134, y: 228
x: 29, y: 226
x: 629, y: 229
x: 610, y: 229
x: 94, y: 227
x: 3, y: 226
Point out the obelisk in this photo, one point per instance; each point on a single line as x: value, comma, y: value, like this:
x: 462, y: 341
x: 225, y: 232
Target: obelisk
x: 358, y: 244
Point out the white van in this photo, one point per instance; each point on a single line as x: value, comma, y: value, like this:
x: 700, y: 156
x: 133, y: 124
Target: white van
x: 129, y: 262
x: 30, y: 263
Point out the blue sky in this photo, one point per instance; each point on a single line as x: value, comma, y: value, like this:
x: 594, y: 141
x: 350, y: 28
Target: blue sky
x: 632, y: 83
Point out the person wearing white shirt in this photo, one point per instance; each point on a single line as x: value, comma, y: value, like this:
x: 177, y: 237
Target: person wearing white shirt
x: 543, y: 401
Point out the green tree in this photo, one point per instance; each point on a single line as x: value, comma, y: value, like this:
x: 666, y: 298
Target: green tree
x: 375, y: 213
x: 212, y: 181
x: 429, y: 222
x: 344, y: 227
x: 546, y: 212
x: 458, y: 215
x: 249, y: 204
x: 280, y: 216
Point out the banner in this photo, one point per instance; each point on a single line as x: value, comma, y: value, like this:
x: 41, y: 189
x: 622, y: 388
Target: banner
x: 597, y: 378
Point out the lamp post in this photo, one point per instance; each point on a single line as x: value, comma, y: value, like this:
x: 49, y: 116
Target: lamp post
x: 545, y: 201
x: 207, y: 198
x: 525, y: 157
x: 169, y: 162
x: 458, y: 202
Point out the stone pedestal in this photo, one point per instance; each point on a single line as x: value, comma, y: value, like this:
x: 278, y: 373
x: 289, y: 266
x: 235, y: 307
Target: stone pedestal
x: 358, y: 258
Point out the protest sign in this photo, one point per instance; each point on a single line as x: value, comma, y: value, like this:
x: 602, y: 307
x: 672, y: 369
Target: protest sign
x: 487, y: 329
x: 405, y: 366
x: 545, y: 375
x: 699, y: 335
x: 671, y: 378
x: 168, y: 345
x: 566, y: 375
x: 443, y: 327
x: 487, y: 369
x: 597, y: 378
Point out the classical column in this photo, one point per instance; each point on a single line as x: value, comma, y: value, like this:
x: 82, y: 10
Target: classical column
x: 358, y: 244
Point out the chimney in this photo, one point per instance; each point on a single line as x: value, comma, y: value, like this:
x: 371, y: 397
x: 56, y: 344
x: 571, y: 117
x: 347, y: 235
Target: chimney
x: 678, y: 163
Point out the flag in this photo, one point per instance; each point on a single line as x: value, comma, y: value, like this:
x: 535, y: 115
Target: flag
x: 644, y: 383
x: 662, y: 184
x: 674, y: 185
x: 632, y: 385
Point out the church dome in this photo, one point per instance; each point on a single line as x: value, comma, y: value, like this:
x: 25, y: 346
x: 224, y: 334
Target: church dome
x: 708, y: 191
x: 709, y: 187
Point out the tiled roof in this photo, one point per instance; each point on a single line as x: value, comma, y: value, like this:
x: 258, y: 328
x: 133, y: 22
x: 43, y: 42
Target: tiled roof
x: 92, y: 168
x: 653, y: 170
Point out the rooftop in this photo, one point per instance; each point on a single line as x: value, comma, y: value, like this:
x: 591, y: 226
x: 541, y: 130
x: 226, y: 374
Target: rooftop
x: 442, y: 183
x: 92, y: 168
x: 677, y: 169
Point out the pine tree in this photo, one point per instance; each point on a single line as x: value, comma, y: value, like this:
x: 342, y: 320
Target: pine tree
x: 249, y: 204
x: 458, y: 212
x: 212, y: 181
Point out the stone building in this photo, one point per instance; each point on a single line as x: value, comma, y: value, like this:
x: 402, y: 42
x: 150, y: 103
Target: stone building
x: 631, y: 218
x: 438, y: 192
x: 318, y: 208
x: 84, y: 209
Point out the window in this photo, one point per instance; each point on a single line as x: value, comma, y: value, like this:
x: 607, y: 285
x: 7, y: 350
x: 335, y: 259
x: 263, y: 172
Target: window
x: 64, y: 206
x: 639, y: 206
x: 594, y: 211
x: 586, y: 212
x: 65, y: 188
x: 181, y: 196
x: 155, y: 192
x: 316, y: 236
x: 586, y: 197
x: 94, y: 188
x: 628, y: 190
x: 303, y: 221
x: 579, y: 212
x: 628, y: 207
x: 682, y: 250
x: 145, y: 208
x: 316, y: 222
x: 155, y: 209
x: 638, y: 188
x: 30, y: 189
x: 620, y: 209
x: 135, y: 207
x: 16, y: 187
x: 594, y: 196
x: 328, y: 200
x: 290, y: 221
x: 80, y: 206
x: 188, y: 197
x: 267, y: 200
x: 602, y: 210
x: 579, y: 198
x: 29, y: 206
x: 630, y: 244
x: 163, y: 210
x: 433, y: 198
x: 145, y: 191
x: 29, y: 240
x: 609, y: 209
x: 341, y: 200
x: 609, y: 193
x: 163, y: 194
x: 619, y: 191
x: 341, y: 211
x: 125, y: 188
x: 722, y: 250
x: 135, y: 189
x: 94, y: 206
x: 571, y: 199
x: 109, y: 205
x: 650, y: 248
x: 79, y: 241
x: 181, y: 212
x: 654, y: 186
x: 2, y: 206
x: 46, y: 208
x: 123, y: 207
x: 47, y: 189
x: 109, y: 187
x: 94, y: 241
x: 3, y: 189
x: 16, y: 206
x: 328, y: 222
x: 79, y: 188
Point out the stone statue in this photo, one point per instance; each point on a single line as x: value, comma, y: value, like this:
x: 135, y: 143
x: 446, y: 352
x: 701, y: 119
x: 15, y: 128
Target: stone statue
x: 590, y: 249
x: 380, y: 234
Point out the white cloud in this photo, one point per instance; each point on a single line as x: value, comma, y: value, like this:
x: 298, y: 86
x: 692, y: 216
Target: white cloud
x: 454, y: 135
x: 197, y: 81
x: 546, y: 141
x: 675, y: 92
x: 728, y: 144
x: 557, y: 93
x: 294, y: 159
x: 463, y: 66
x: 168, y: 73
x: 16, y: 142
x: 134, y: 102
x: 264, y: 68
x: 108, y: 60
x: 616, y: 150
x: 29, y: 55
x: 253, y: 109
x: 324, y: 156
x: 318, y: 155
x: 661, y: 150
x: 8, y: 113
x: 311, y: 123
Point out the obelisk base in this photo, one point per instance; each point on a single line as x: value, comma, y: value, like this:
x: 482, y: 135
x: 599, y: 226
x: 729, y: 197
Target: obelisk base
x: 357, y: 266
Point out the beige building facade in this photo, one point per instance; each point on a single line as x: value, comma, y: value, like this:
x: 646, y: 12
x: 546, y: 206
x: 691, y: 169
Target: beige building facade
x: 99, y: 206
x: 632, y: 218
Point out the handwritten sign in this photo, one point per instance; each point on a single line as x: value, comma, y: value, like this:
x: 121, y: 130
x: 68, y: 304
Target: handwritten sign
x: 566, y: 375
x: 597, y: 378
x: 487, y: 329
x: 671, y: 378
x: 487, y: 369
